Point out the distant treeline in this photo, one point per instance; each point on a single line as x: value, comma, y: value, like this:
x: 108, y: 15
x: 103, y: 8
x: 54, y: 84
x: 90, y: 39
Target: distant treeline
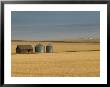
x: 56, y: 41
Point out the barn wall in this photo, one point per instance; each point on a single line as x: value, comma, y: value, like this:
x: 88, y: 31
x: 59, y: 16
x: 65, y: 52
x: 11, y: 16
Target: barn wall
x: 24, y: 51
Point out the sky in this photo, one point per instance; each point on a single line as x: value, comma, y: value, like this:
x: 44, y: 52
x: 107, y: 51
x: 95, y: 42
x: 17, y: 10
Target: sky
x: 55, y: 25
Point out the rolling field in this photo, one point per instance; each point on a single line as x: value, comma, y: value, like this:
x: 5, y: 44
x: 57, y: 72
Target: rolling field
x: 67, y: 60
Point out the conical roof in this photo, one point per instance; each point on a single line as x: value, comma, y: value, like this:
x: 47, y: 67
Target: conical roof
x: 49, y: 44
x: 39, y: 44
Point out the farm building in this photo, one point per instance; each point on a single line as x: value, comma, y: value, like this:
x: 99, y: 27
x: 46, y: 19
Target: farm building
x: 24, y: 49
x: 40, y: 48
x: 49, y: 48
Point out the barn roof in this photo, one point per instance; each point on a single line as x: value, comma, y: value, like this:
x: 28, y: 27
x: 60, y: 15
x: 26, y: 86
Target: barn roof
x: 24, y: 46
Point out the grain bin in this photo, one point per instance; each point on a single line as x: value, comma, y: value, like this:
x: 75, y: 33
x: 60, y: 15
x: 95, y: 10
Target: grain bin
x: 49, y: 48
x: 40, y: 48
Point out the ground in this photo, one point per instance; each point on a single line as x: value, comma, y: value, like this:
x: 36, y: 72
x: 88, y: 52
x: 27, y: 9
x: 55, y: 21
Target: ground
x: 67, y: 60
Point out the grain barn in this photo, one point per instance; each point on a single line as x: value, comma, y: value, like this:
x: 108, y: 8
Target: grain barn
x: 24, y: 49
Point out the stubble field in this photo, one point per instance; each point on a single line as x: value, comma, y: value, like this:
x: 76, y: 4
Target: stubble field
x: 67, y: 60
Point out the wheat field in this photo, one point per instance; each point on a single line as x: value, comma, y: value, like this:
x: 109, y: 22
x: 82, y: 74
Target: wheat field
x: 67, y: 60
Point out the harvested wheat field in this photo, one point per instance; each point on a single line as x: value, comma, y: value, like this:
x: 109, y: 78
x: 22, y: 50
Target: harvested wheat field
x: 67, y: 60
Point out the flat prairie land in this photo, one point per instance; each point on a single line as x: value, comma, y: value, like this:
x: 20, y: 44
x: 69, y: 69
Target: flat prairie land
x: 67, y: 60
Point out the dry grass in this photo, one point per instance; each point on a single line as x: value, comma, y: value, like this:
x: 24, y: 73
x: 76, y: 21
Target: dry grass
x: 68, y: 59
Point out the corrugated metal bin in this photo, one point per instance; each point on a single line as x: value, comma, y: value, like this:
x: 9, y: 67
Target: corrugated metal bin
x: 49, y: 48
x: 40, y: 48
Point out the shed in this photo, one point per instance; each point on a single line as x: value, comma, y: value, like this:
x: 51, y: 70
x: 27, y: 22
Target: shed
x: 24, y: 49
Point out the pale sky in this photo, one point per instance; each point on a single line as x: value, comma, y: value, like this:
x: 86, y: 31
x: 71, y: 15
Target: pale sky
x: 54, y: 25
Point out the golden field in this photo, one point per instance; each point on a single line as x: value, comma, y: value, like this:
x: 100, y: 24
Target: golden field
x: 67, y: 60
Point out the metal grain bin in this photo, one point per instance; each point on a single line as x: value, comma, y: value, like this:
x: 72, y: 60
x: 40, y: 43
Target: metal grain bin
x: 40, y: 48
x: 49, y: 48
